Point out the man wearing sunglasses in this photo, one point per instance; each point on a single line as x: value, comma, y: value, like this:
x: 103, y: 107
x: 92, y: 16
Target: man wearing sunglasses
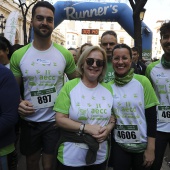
x: 108, y: 41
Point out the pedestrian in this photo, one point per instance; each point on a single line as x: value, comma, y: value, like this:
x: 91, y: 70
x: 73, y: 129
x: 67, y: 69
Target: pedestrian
x: 6, y: 51
x: 108, y: 41
x: 82, y: 48
x: 74, y: 53
x: 85, y: 115
x: 134, y: 106
x: 141, y: 67
x: 40, y: 66
x: 159, y: 74
x: 9, y: 102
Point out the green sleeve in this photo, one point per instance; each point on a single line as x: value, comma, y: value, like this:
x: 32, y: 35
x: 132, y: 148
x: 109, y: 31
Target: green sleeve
x: 70, y: 64
x: 15, y: 60
x: 62, y: 103
x: 150, y: 97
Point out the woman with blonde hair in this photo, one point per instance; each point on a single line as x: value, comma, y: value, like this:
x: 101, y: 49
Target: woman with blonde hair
x: 84, y: 114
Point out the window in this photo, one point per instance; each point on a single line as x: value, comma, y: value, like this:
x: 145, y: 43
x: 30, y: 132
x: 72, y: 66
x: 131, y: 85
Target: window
x: 72, y: 37
x: 90, y: 25
x: 121, y: 40
x: 112, y: 26
x: 89, y: 39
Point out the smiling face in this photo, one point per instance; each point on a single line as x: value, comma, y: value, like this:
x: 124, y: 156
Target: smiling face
x: 43, y: 22
x: 121, y: 61
x: 165, y: 43
x: 91, y: 70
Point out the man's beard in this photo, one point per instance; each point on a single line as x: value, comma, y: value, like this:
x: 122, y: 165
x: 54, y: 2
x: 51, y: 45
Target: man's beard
x: 43, y: 35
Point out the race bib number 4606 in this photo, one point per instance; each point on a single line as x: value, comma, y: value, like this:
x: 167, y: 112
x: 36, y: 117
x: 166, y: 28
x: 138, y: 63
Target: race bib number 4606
x: 127, y: 134
x: 43, y: 98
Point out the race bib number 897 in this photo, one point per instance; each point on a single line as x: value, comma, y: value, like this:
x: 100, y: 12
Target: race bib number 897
x: 43, y: 98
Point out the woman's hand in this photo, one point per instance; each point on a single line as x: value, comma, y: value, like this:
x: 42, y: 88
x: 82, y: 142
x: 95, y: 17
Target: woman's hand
x: 92, y: 129
x: 149, y: 156
x: 103, y: 134
x: 25, y: 108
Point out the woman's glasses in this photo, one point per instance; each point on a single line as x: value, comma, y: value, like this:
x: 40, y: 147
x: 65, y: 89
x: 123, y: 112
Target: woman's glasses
x: 90, y: 62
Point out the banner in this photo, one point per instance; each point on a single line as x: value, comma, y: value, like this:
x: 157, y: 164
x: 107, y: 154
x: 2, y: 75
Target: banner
x: 10, y: 28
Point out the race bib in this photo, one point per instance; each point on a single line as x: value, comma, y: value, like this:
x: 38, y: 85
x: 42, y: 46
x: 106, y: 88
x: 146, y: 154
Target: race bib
x: 163, y: 113
x: 127, y: 134
x: 43, y: 98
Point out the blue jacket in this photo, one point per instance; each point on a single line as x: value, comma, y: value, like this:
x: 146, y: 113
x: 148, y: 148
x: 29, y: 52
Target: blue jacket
x: 9, y: 101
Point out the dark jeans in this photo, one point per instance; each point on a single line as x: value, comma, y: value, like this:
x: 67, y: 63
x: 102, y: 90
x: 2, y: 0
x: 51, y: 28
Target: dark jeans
x: 162, y: 139
x: 123, y: 160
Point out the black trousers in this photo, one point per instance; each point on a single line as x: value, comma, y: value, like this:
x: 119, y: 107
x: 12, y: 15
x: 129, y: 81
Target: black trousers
x: 162, y: 139
x: 123, y: 160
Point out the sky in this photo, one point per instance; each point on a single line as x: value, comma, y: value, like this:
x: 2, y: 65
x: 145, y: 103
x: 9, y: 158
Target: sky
x: 155, y: 10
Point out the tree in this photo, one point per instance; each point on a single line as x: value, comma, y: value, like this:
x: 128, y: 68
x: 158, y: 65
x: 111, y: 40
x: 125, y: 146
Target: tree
x: 24, y: 10
x: 137, y: 6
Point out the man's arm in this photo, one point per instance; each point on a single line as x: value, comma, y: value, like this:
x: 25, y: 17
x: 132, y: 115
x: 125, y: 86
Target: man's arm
x: 72, y: 75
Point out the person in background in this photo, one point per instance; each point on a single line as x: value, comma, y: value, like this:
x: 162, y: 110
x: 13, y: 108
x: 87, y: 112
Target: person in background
x: 9, y: 102
x: 159, y: 74
x: 83, y: 112
x: 74, y: 53
x: 40, y: 66
x: 108, y: 41
x: 84, y: 46
x: 134, y: 106
x: 6, y: 51
x: 141, y: 67
x: 17, y: 46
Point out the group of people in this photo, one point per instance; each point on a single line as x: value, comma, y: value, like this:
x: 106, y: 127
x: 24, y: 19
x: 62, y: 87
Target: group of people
x: 105, y: 115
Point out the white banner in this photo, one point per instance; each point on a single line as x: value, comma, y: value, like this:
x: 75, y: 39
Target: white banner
x: 10, y: 27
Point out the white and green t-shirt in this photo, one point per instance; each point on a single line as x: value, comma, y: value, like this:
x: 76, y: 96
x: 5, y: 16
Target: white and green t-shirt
x: 160, y: 78
x: 109, y: 72
x: 129, y: 104
x: 88, y: 106
x: 43, y: 75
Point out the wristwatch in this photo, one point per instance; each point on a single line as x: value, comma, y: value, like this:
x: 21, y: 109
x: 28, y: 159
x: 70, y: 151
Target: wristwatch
x: 81, y: 129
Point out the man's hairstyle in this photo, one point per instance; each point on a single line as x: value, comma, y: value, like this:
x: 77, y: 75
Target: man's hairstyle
x: 136, y: 49
x: 110, y: 32
x: 83, y: 57
x: 45, y: 4
x: 122, y: 46
x: 165, y: 28
x: 71, y: 48
x: 85, y: 44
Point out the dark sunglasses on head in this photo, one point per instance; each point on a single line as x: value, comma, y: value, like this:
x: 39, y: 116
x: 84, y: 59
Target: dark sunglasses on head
x: 106, y: 44
x: 90, y: 62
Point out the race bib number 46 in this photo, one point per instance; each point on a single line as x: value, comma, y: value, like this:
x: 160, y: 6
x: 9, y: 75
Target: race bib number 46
x: 164, y: 113
x: 127, y: 134
x: 43, y: 98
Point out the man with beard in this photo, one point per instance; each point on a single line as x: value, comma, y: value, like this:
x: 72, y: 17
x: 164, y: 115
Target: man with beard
x: 159, y: 74
x: 40, y: 66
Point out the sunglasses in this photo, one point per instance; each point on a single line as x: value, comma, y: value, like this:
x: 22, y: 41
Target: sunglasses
x: 90, y: 62
x: 106, y: 44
